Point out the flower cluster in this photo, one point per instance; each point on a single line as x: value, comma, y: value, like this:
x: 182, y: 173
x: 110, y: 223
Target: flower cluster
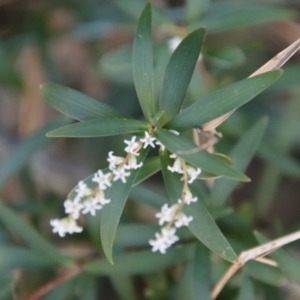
x: 88, y: 201
x: 173, y: 216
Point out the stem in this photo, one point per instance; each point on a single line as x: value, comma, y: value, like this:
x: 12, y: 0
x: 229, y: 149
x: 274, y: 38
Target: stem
x: 55, y: 282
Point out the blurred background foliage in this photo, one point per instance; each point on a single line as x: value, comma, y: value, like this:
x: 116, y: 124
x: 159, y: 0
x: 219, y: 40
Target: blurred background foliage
x: 86, y: 45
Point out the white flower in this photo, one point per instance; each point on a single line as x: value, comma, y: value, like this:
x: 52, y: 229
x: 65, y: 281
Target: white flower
x: 173, y: 43
x: 132, y: 163
x: 58, y: 227
x: 169, y: 236
x: 177, y: 166
x: 148, y: 140
x: 114, y: 161
x: 102, y: 179
x: 100, y: 196
x: 120, y: 174
x: 192, y: 173
x: 183, y: 220
x: 173, y: 155
x: 82, y: 190
x: 63, y: 226
x: 91, y: 205
x: 132, y: 146
x: 166, y: 214
x: 188, y: 197
x: 73, y: 208
x: 159, y: 244
x: 161, y: 145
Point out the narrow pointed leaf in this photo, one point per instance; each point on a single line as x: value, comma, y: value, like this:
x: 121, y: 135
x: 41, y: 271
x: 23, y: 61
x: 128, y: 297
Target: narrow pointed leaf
x: 203, y: 226
x: 222, y: 101
x: 202, y: 159
x: 142, y: 60
x: 241, y: 155
x: 288, y: 264
x: 111, y: 214
x: 141, y: 262
x: 77, y: 105
x: 23, y: 151
x: 99, y: 127
x: 178, y: 74
x: 32, y: 238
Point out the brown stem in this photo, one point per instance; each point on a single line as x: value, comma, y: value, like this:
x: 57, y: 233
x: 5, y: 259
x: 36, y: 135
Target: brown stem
x: 54, y: 282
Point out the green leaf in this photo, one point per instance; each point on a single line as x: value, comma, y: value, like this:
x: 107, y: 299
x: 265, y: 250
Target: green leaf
x: 288, y: 264
x: 21, y: 258
x: 178, y: 74
x: 32, y: 238
x: 222, y: 101
x: 20, y: 155
x: 246, y: 291
x: 224, y: 16
x: 202, y: 159
x: 203, y: 226
x: 195, y: 8
x: 111, y: 214
x: 134, y: 8
x: 141, y: 262
x: 77, y: 105
x: 7, y: 282
x: 142, y: 59
x: 150, y: 166
x: 241, y: 155
x: 99, y: 127
x: 265, y: 273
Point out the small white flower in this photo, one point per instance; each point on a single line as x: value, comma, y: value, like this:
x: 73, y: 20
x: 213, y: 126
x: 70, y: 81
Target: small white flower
x: 63, y: 226
x: 188, y: 197
x: 183, y: 220
x: 192, y: 173
x: 169, y: 236
x: 82, y: 190
x: 114, y: 161
x: 177, y: 166
x: 71, y: 226
x: 121, y: 174
x: 132, y: 163
x: 148, y: 140
x: 166, y: 214
x: 102, y: 179
x: 173, y: 155
x: 173, y: 43
x: 158, y: 244
x: 132, y: 146
x: 100, y: 196
x: 90, y: 206
x: 160, y: 145
x: 58, y: 227
x: 73, y: 208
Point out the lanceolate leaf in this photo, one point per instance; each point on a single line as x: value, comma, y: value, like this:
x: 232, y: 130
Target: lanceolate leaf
x: 222, y: 101
x: 142, y: 60
x: 241, y: 155
x: 202, y: 159
x: 99, y: 127
x: 203, y: 226
x: 77, y: 105
x: 178, y: 74
x: 142, y: 262
x: 20, y: 155
x: 32, y: 238
x: 111, y: 213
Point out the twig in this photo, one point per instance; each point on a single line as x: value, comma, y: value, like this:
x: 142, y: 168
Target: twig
x: 55, y: 282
